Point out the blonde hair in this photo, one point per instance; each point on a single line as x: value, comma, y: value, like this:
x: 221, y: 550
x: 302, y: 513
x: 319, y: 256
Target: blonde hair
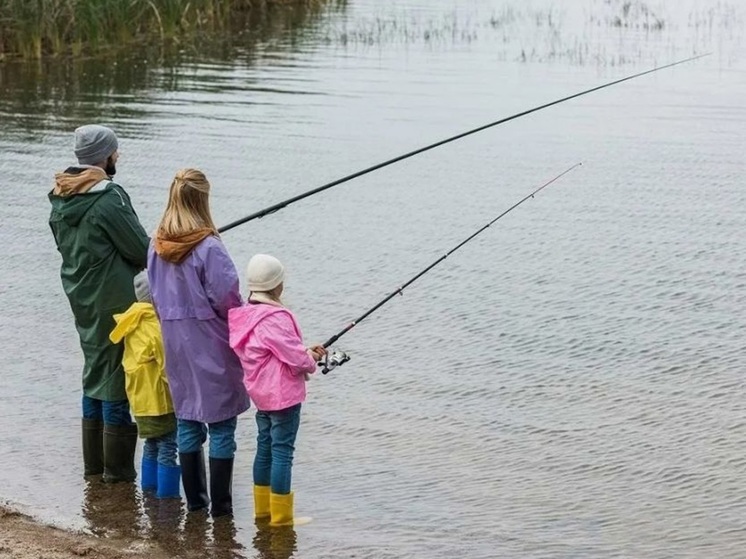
x: 188, y: 205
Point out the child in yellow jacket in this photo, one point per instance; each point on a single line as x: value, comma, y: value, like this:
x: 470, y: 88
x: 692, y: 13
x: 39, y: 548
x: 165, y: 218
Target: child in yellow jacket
x: 147, y: 391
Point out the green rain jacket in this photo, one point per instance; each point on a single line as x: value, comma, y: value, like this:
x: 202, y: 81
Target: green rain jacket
x: 103, y: 246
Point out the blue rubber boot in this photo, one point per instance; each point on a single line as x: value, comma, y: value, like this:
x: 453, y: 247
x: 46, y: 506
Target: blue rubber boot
x: 149, y: 475
x: 169, y: 478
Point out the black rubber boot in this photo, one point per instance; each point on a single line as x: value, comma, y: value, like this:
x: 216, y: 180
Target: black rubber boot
x: 120, y: 442
x: 194, y: 479
x: 221, y: 485
x: 93, y: 447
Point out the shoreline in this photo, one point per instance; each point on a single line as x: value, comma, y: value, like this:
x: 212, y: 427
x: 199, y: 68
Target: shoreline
x: 23, y: 537
x: 119, y: 527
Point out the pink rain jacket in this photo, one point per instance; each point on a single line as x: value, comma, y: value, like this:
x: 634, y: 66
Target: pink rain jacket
x: 268, y: 342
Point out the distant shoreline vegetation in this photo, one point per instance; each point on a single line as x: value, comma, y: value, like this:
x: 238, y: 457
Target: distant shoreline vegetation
x: 41, y: 28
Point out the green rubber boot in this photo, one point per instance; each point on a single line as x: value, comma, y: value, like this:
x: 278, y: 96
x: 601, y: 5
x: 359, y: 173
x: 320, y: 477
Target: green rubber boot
x: 120, y: 442
x: 93, y: 447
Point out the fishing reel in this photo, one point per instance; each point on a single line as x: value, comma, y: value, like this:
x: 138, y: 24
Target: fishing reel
x: 333, y: 360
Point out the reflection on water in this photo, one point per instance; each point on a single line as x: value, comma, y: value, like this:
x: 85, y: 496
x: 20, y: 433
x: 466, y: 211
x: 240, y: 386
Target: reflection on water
x: 570, y: 384
x: 55, y: 93
x: 121, y: 511
x: 275, y: 542
x: 165, y: 518
x: 112, y: 510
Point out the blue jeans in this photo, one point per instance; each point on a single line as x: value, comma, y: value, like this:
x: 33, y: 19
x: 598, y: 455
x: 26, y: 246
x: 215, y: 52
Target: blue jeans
x: 193, y: 434
x: 275, y: 444
x: 161, y: 449
x: 111, y: 413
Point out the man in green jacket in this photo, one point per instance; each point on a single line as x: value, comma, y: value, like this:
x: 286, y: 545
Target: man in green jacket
x: 103, y: 246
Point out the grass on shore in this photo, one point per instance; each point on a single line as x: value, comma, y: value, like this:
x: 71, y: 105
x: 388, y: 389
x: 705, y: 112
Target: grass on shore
x: 33, y: 29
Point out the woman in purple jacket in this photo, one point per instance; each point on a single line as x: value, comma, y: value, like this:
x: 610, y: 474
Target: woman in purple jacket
x: 194, y: 284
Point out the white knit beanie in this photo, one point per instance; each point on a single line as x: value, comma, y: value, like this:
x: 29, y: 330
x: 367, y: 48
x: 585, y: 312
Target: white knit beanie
x: 264, y: 273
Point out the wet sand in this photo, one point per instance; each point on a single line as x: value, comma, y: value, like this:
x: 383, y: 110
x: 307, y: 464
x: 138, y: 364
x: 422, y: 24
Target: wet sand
x: 123, y: 522
x: 24, y: 538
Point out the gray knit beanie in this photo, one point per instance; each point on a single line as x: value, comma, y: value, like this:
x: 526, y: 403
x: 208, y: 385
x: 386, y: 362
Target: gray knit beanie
x: 264, y: 273
x: 142, y: 287
x: 94, y: 143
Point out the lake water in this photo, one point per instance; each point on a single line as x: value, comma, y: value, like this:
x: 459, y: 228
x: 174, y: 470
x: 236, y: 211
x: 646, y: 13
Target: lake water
x: 569, y: 384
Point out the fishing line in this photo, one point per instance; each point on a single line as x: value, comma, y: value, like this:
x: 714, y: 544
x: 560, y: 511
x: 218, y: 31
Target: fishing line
x: 339, y: 357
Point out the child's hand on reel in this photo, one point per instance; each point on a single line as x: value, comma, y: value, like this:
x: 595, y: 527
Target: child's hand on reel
x: 317, y: 352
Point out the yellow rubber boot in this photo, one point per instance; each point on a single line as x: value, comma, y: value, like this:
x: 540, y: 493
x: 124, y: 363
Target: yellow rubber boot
x: 281, y: 509
x: 261, y: 501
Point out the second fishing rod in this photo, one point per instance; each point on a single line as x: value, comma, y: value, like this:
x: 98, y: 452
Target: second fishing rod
x: 337, y: 182
x: 338, y: 357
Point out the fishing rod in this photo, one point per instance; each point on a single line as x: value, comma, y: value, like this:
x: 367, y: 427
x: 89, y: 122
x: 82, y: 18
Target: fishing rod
x: 339, y: 357
x: 284, y: 203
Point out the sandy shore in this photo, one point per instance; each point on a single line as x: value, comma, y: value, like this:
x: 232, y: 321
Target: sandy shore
x: 23, y: 538
x: 116, y: 534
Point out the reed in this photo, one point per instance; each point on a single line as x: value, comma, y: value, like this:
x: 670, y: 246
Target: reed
x: 582, y: 32
x: 53, y: 27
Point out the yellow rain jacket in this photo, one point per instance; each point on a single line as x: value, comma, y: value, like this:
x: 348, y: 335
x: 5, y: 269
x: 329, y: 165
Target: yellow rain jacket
x: 144, y: 373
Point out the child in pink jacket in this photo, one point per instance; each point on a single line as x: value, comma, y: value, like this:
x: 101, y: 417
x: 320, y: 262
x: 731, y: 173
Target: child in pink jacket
x: 268, y: 341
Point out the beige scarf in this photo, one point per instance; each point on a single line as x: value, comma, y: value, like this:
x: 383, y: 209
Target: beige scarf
x: 177, y: 248
x: 263, y: 297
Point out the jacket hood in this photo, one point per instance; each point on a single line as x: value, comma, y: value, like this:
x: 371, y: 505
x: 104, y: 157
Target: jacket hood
x: 243, y: 320
x: 130, y: 319
x: 77, y: 180
x: 177, y: 248
x: 77, y: 195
